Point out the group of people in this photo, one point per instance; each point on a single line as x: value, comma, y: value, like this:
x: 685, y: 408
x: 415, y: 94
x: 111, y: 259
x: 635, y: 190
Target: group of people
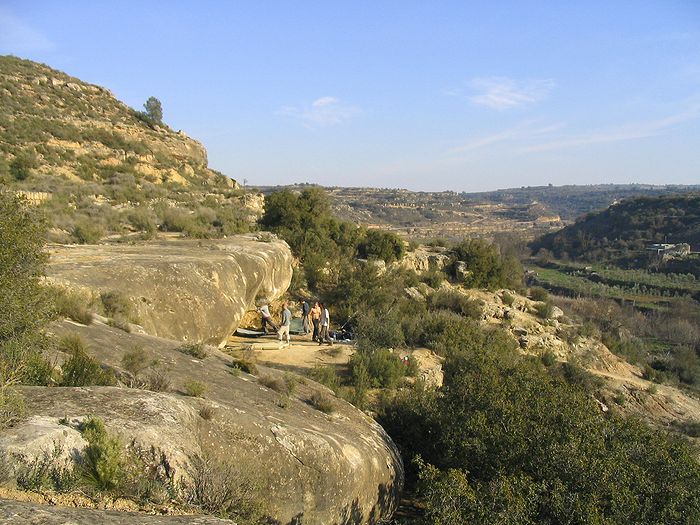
x: 320, y: 319
x: 318, y: 315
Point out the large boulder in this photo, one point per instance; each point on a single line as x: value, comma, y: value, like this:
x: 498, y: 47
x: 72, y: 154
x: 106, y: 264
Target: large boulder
x: 181, y: 289
x: 310, y: 466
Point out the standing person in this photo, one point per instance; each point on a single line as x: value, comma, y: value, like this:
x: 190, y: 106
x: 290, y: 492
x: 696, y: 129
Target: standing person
x: 305, y: 309
x: 284, y: 329
x: 266, y: 318
x: 316, y: 321
x: 324, y: 336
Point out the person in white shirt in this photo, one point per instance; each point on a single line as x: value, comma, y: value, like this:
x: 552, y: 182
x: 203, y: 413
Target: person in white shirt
x: 324, y: 336
x: 266, y: 318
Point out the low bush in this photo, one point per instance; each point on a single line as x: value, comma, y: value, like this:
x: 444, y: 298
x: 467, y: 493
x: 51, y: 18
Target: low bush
x: 47, y: 472
x: 457, y: 302
x: 195, y: 388
x: 87, y: 231
x: 326, y: 375
x: 102, y: 465
x: 508, y: 298
x: 537, y: 293
x: 81, y: 369
x: 544, y: 310
x: 207, y: 412
x: 71, y: 304
x: 116, y: 304
x: 322, y: 402
x: 225, y: 488
x: 158, y: 381
x: 384, y: 368
x: 198, y: 350
x: 274, y: 383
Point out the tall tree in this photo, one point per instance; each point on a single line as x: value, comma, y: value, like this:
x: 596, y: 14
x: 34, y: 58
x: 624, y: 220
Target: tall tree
x: 154, y: 110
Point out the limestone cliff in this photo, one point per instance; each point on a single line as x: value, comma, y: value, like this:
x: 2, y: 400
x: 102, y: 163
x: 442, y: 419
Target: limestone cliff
x: 182, y: 289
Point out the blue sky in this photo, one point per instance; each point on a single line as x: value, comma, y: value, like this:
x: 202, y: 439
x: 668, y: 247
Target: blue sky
x: 463, y: 96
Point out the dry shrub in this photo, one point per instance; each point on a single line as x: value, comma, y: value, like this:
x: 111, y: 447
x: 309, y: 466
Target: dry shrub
x: 322, y: 401
x: 220, y: 487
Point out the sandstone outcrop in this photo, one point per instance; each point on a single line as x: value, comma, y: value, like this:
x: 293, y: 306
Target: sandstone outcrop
x: 196, y: 291
x: 424, y: 259
x: 311, y: 467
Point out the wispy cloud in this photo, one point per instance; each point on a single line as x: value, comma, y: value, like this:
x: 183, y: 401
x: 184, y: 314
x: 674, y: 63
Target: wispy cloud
x: 322, y: 112
x: 16, y: 36
x: 503, y: 93
x: 524, y: 130
x: 630, y: 131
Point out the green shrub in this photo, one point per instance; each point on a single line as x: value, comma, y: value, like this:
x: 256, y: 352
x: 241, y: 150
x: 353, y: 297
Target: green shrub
x: 246, y: 365
x: 508, y: 299
x: 102, y: 465
x: 548, y: 358
x: 537, y: 293
x: 379, y: 330
x: 385, y: 369
x: 81, y: 369
x: 195, y: 388
x: 136, y: 360
x: 326, y: 375
x: 457, y: 302
x: 576, y: 375
x: 384, y: 245
x: 198, y: 350
x: 87, y: 231
x: 73, y: 305
x: 544, y: 310
x: 12, y: 407
x: 502, y: 428
x: 433, y: 278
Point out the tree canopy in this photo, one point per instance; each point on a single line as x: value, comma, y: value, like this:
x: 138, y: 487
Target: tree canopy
x: 154, y: 110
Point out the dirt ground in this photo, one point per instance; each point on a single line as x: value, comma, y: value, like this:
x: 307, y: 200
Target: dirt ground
x: 301, y: 356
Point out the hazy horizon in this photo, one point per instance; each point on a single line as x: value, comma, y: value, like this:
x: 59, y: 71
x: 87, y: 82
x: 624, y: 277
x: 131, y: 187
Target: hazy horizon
x: 406, y: 95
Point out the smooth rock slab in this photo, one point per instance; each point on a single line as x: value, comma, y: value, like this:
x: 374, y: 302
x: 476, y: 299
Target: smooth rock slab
x: 182, y: 289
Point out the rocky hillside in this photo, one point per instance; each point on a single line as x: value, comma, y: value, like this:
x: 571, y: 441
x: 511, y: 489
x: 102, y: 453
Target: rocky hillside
x: 52, y: 124
x: 622, y: 232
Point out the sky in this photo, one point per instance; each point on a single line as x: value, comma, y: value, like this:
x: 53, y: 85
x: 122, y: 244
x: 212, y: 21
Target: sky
x: 429, y: 96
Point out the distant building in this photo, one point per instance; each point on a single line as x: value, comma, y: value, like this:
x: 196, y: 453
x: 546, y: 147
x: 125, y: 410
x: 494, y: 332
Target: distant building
x: 670, y: 251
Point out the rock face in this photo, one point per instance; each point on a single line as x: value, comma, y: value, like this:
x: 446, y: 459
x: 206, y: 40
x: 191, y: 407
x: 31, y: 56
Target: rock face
x: 311, y: 467
x: 424, y: 259
x: 187, y: 290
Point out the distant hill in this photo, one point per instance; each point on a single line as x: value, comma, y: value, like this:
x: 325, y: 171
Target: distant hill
x: 54, y: 125
x: 623, y: 232
x: 572, y: 201
x: 525, y: 213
